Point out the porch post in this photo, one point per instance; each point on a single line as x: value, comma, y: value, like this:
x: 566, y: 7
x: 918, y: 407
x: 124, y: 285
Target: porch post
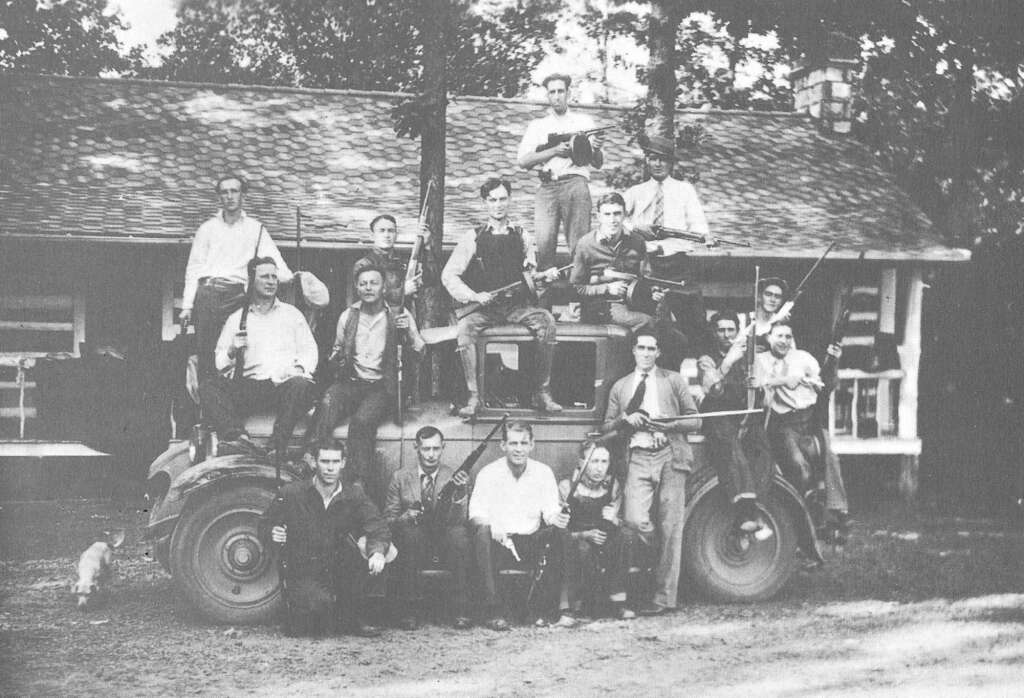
x: 910, y: 359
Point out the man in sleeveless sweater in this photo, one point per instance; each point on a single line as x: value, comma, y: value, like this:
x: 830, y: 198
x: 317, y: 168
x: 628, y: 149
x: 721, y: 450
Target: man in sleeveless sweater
x: 493, y: 255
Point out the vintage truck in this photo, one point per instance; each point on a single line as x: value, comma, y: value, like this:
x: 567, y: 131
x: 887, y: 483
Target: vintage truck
x: 204, y: 511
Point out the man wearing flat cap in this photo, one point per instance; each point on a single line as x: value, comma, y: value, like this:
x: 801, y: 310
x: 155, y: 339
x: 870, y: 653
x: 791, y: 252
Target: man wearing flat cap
x: 563, y: 197
x: 663, y: 200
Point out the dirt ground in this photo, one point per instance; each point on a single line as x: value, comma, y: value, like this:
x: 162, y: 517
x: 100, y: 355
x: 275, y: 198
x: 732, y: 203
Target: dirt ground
x: 915, y: 604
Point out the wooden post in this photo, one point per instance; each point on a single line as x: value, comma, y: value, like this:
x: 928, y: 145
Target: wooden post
x: 910, y: 359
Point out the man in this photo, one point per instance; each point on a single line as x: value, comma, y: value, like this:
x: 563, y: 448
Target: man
x: 493, y: 255
x: 318, y: 523
x: 366, y: 384
x: 595, y: 560
x: 425, y: 527
x: 658, y: 458
x: 791, y: 381
x: 518, y: 518
x: 383, y: 256
x: 771, y: 292
x: 279, y: 356
x: 610, y: 248
x: 563, y: 197
x: 215, y: 275
x: 744, y: 466
x: 663, y: 200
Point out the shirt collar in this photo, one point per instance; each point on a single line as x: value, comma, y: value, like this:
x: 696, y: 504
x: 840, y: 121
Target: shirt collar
x: 241, y: 217
x: 432, y: 476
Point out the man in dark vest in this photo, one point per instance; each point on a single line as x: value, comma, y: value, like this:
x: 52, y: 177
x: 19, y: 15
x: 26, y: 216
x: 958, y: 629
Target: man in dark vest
x: 493, y: 255
x: 366, y: 357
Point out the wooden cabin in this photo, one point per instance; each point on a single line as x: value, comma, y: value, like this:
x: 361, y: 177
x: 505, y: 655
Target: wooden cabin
x: 104, y: 182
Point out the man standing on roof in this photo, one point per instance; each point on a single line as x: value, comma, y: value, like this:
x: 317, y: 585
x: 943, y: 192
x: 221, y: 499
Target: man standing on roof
x: 215, y: 275
x: 489, y: 257
x: 383, y: 256
x: 563, y: 198
x: 663, y: 201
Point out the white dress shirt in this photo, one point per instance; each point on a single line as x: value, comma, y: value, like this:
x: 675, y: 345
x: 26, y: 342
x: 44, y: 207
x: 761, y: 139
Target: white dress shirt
x: 796, y: 362
x: 223, y: 250
x: 537, y: 133
x: 280, y: 344
x: 682, y: 206
x: 513, y: 505
x: 650, y: 405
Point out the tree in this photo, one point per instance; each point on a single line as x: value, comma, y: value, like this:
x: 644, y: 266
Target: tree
x: 65, y: 37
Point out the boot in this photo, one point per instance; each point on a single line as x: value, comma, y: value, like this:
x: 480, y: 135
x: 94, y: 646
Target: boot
x: 468, y: 355
x: 542, y: 399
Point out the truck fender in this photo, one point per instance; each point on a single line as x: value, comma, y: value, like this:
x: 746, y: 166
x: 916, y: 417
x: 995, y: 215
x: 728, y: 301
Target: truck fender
x: 785, y: 492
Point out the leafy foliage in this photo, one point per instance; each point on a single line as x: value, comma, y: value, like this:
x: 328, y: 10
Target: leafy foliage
x: 64, y: 37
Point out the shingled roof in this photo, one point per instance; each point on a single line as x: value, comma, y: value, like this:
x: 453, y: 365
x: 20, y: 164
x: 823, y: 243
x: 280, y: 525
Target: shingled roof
x: 135, y: 160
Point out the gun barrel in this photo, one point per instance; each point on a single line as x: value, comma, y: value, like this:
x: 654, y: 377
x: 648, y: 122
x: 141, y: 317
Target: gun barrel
x: 663, y: 231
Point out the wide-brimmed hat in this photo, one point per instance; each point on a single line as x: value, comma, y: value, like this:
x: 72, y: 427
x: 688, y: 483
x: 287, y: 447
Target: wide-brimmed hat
x: 314, y: 291
x: 658, y: 144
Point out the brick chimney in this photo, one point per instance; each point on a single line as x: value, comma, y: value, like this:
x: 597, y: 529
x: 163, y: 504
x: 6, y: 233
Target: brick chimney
x: 823, y: 84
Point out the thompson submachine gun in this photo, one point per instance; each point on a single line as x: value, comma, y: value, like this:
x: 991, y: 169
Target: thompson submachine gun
x: 661, y: 232
x: 504, y: 291
x: 640, y: 289
x: 582, y: 153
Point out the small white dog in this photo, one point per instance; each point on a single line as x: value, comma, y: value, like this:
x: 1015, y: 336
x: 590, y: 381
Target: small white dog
x: 94, y: 568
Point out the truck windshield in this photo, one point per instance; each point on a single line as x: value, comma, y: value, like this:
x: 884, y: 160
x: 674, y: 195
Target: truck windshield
x: 509, y: 379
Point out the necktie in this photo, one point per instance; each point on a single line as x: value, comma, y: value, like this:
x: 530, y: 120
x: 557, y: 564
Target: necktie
x: 638, y: 395
x: 659, y: 205
x: 427, y: 491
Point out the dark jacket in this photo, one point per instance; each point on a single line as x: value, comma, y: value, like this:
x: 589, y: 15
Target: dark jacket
x: 316, y: 535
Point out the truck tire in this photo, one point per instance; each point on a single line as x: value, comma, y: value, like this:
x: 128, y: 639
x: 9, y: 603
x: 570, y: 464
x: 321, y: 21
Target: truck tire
x: 728, y: 565
x: 218, y: 560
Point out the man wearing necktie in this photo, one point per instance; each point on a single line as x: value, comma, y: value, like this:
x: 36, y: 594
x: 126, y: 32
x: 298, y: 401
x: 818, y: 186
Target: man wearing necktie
x: 663, y: 200
x: 411, y: 505
x: 644, y: 410
x: 791, y: 379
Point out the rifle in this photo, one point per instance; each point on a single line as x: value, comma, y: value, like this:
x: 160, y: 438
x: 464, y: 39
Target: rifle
x: 661, y: 232
x: 413, y: 268
x: 752, y: 340
x: 556, y: 138
x: 244, y: 320
x: 503, y: 291
x: 787, y: 307
x: 830, y: 365
x: 443, y: 503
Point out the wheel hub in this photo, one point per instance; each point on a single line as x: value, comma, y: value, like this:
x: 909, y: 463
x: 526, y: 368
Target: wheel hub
x: 242, y: 555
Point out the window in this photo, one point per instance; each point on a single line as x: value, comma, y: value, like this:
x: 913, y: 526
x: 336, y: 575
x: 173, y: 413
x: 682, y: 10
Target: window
x: 509, y: 379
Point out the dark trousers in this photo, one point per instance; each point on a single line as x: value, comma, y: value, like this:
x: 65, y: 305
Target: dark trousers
x: 594, y: 571
x: 368, y: 404
x: 744, y: 466
x: 789, y: 434
x: 318, y: 600
x: 491, y: 558
x: 215, y: 300
x: 417, y: 546
x: 226, y: 403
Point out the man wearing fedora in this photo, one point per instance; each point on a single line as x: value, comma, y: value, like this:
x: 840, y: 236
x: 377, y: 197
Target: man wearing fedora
x: 563, y: 197
x: 663, y: 200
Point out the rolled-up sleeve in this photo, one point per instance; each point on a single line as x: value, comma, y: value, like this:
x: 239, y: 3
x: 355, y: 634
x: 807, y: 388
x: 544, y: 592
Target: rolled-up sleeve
x: 451, y: 276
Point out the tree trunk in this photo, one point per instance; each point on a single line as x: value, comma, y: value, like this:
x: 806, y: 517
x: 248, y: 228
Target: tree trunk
x: 663, y: 23
x: 432, y: 305
x: 961, y: 223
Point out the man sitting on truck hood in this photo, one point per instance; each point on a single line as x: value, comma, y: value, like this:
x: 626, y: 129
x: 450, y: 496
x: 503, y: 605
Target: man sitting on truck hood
x: 278, y: 357
x: 494, y: 255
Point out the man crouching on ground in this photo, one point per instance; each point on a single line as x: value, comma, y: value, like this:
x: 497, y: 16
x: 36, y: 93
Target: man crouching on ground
x: 317, y: 523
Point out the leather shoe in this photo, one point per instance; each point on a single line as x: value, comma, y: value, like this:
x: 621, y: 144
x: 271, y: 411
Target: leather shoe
x: 462, y: 623
x: 498, y: 624
x: 652, y: 609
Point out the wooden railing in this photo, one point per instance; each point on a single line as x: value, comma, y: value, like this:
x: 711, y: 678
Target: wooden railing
x: 865, y: 404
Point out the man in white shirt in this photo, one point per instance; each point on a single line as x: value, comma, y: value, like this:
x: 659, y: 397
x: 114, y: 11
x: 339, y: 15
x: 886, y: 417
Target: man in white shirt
x: 664, y: 201
x: 791, y: 379
x: 518, y: 515
x: 278, y: 356
x: 563, y: 198
x: 366, y: 385
x: 215, y: 275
